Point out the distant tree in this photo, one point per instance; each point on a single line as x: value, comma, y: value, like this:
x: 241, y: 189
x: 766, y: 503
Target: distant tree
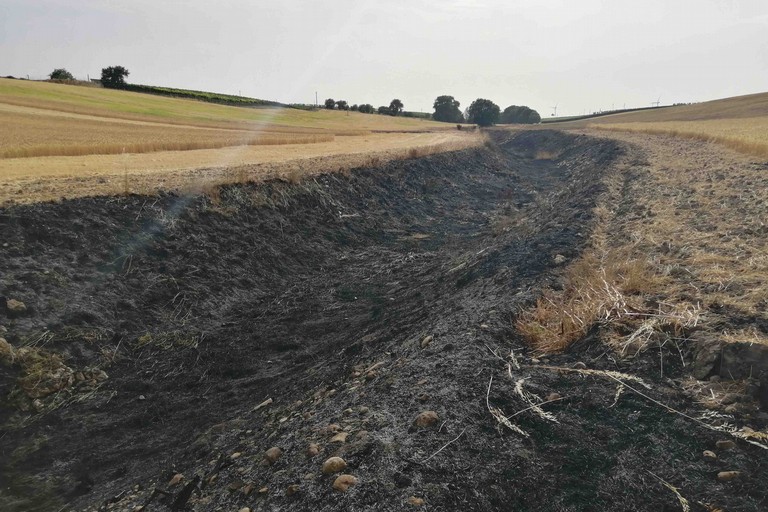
x: 447, y: 110
x: 61, y: 74
x: 330, y: 103
x: 395, y: 107
x: 366, y: 108
x: 483, y: 112
x: 113, y: 76
x: 342, y: 105
x: 519, y: 115
x: 383, y: 110
x: 354, y: 108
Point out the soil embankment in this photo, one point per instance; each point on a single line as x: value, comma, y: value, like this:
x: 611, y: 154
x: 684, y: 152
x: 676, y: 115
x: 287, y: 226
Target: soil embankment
x: 354, y: 302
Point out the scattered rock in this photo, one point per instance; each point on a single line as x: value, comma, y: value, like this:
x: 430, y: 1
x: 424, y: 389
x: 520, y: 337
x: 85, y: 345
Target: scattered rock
x: 416, y: 502
x: 709, y: 456
x: 309, y: 476
x: 424, y: 397
x: 15, y: 307
x: 706, y: 357
x: 554, y: 396
x: 332, y: 428
x: 264, y: 490
x: 426, y: 341
x: 559, y: 259
x: 176, y: 480
x: 732, y: 398
x: 334, y: 465
x: 235, y: 455
x: 273, y: 454
x: 743, y: 360
x: 292, y: 489
x: 726, y: 444
x: 341, y: 437
x: 485, y: 326
x: 348, y: 412
x: 579, y: 366
x: 245, y: 509
x: 363, y: 410
x: 344, y: 482
x: 313, y: 449
x: 426, y: 419
x: 248, y: 489
x: 727, y: 476
x: 7, y: 352
x: 235, y: 485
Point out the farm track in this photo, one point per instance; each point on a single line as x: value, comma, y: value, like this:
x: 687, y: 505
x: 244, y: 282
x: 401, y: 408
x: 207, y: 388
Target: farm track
x: 319, y: 295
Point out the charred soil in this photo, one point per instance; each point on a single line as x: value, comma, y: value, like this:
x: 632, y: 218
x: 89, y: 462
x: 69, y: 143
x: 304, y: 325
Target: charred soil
x: 197, y: 332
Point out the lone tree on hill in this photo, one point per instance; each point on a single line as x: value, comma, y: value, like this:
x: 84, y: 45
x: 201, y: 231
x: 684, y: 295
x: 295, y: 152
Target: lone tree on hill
x: 447, y: 110
x: 114, y: 76
x: 330, y: 103
x: 483, y: 112
x: 61, y: 74
x: 395, y: 107
x: 520, y: 115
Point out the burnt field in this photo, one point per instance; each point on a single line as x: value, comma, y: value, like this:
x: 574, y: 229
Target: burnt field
x: 368, y: 315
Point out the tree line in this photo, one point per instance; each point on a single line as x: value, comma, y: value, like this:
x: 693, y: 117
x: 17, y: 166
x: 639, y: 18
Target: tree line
x: 482, y: 112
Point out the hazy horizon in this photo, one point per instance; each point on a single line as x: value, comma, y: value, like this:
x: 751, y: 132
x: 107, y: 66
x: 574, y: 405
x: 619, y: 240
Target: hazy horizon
x: 592, y: 56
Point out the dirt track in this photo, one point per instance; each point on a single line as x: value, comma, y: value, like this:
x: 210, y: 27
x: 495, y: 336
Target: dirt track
x: 319, y: 296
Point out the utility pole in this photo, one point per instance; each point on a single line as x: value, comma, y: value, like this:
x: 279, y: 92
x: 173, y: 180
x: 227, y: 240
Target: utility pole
x: 315, y: 99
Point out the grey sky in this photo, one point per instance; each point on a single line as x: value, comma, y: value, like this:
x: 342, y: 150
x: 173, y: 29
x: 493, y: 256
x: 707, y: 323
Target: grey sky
x: 581, y: 55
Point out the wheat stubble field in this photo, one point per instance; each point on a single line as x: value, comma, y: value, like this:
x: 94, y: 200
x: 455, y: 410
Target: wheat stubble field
x: 72, y: 141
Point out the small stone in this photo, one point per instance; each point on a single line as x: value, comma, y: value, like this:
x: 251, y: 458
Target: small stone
x: 332, y: 428
x: 424, y: 397
x: 176, y: 480
x: 535, y: 361
x: 248, y: 489
x: 579, y: 366
x: 292, y: 489
x: 15, y: 307
x: 235, y: 455
x: 313, y: 449
x: 554, y: 396
x: 725, y: 445
x: 363, y: 410
x: 370, y: 375
x: 559, y: 259
x: 426, y: 341
x: 348, y: 412
x: 334, y: 465
x: 344, y: 482
x: 341, y: 437
x: 306, y: 415
x: 142, y: 397
x: 485, y: 326
x: 426, y: 419
x: 416, y: 502
x: 727, y: 476
x: 7, y: 352
x: 309, y: 476
x: 138, y: 508
x: 100, y: 375
x: 715, y: 378
x: 732, y: 398
x: 273, y: 454
x: 244, y: 509
x: 235, y: 485
x: 709, y: 455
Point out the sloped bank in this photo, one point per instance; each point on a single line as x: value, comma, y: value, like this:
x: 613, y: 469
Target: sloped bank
x: 353, y: 302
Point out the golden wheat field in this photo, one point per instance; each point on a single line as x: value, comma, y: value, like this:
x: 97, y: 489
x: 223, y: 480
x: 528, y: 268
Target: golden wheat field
x: 740, y: 123
x: 67, y: 141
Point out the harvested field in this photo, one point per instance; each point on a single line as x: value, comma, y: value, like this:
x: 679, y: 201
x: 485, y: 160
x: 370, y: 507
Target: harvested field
x: 25, y: 180
x: 239, y: 339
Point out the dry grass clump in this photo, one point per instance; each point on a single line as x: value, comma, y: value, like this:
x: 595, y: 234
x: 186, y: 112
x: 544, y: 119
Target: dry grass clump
x: 598, y: 289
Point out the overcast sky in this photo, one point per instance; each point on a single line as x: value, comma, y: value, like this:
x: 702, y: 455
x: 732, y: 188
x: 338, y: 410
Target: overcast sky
x: 582, y: 55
